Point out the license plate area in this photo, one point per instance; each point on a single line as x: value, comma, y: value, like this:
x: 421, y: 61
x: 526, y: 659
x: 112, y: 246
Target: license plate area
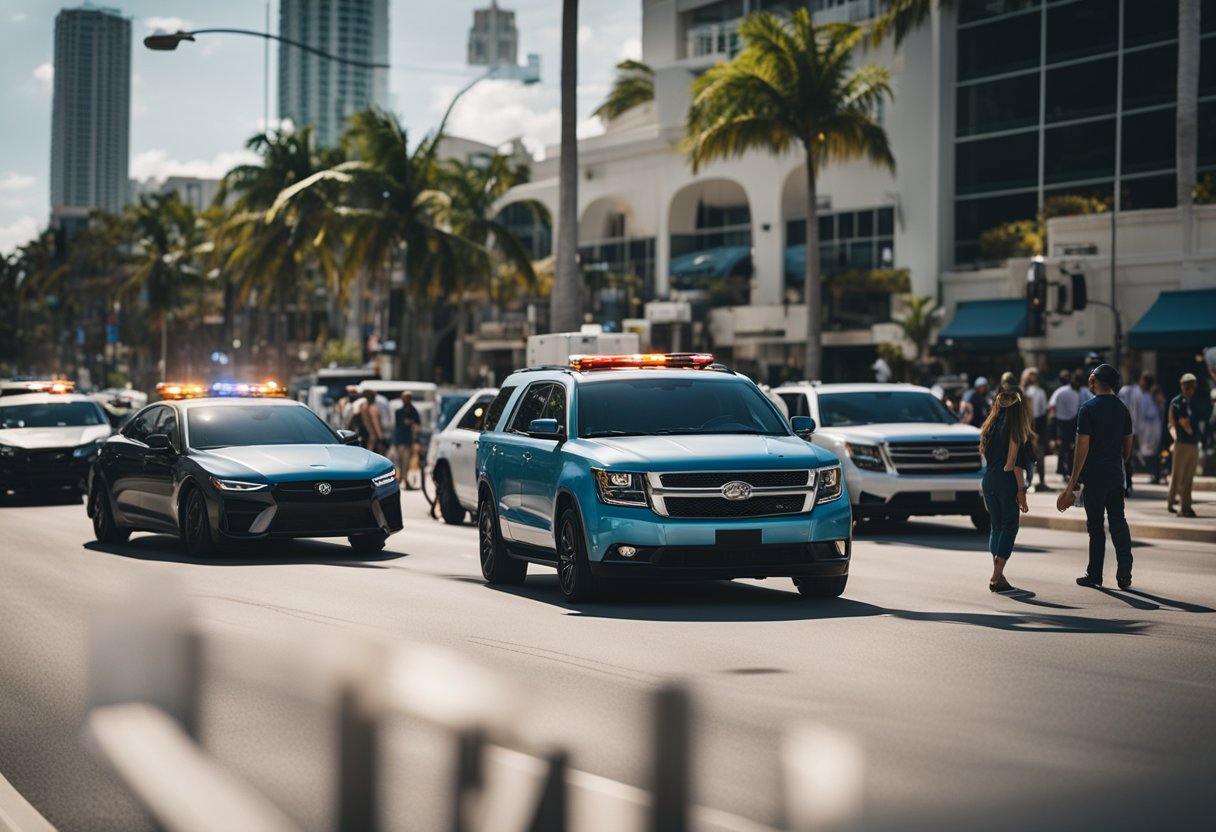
x: 941, y: 496
x: 737, y: 538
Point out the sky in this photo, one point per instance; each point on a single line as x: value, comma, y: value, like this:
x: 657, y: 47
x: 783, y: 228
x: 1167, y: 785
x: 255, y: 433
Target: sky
x: 193, y: 109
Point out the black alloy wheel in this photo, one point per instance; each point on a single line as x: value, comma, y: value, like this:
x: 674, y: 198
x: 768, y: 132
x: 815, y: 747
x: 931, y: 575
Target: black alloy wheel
x: 497, y: 567
x: 104, y: 527
x: 196, y: 528
x: 445, y: 495
x: 832, y: 587
x: 574, y: 577
x: 367, y: 544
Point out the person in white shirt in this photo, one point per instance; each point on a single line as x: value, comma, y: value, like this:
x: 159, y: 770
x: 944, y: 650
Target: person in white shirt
x: 1062, y: 408
x: 1037, y: 400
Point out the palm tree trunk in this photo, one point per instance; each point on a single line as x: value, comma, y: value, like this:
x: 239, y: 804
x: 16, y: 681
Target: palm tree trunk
x: 564, y: 304
x: 1188, y: 115
x: 812, y: 289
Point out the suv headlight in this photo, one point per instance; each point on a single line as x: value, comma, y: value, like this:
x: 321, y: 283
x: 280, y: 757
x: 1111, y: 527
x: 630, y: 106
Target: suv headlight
x: 88, y: 450
x: 237, y: 485
x: 831, y: 484
x: 384, y: 479
x: 866, y: 457
x: 7, y: 450
x: 620, y: 488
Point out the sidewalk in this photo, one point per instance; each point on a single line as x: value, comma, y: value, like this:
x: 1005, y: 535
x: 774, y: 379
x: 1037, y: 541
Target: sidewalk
x: 1146, y: 510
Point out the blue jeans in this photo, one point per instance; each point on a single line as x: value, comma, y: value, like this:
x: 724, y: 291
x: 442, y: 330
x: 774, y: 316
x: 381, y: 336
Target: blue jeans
x: 1001, y: 497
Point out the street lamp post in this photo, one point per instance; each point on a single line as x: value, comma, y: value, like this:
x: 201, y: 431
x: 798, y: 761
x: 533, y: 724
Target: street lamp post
x: 168, y: 41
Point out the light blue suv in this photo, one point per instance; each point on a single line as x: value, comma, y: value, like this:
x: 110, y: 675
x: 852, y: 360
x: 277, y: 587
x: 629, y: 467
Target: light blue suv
x: 645, y: 467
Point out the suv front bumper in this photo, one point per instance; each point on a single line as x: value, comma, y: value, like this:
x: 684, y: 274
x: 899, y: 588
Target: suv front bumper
x: 774, y: 560
x: 880, y: 494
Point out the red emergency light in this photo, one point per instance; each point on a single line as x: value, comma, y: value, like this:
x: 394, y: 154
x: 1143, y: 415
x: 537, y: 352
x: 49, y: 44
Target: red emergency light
x: 670, y: 360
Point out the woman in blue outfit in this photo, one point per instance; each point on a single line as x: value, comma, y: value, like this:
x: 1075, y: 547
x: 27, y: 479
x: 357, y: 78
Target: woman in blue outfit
x: 1003, y: 437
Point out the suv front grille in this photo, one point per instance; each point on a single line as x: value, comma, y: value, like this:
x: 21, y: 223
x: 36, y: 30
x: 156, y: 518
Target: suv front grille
x: 761, y: 506
x: 717, y: 479
x: 923, y: 457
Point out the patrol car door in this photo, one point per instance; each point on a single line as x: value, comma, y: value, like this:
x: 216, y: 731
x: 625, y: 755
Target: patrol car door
x: 127, y: 474
x: 541, y: 469
x: 462, y: 458
x: 159, y: 468
x: 512, y: 450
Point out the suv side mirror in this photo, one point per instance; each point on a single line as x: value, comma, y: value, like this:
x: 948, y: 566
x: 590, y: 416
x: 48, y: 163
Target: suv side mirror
x: 348, y: 437
x: 804, y: 426
x: 545, y: 429
x: 158, y: 442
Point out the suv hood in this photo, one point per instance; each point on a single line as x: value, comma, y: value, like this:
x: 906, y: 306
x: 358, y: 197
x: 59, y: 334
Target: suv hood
x: 901, y: 432
x: 65, y: 437
x: 709, y: 452
x: 290, y: 463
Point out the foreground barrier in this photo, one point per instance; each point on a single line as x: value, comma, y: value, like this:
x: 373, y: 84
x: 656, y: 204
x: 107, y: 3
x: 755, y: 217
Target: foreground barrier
x: 149, y: 660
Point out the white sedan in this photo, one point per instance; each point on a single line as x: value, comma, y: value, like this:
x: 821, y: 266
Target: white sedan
x: 454, y: 450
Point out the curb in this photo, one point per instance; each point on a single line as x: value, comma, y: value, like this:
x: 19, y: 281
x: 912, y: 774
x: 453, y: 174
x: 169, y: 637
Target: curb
x: 16, y: 813
x: 1150, y: 531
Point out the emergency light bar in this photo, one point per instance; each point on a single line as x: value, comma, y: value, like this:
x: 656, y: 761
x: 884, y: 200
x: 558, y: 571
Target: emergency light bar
x: 269, y: 389
x: 52, y: 386
x: 670, y: 360
x: 173, y: 390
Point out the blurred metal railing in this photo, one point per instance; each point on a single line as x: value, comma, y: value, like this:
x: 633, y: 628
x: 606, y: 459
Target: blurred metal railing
x: 149, y: 660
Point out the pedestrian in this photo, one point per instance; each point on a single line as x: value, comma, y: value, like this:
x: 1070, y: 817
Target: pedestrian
x: 366, y: 420
x: 1146, y: 426
x: 1005, y: 445
x: 1104, y: 441
x: 1158, y: 470
x: 975, y: 404
x: 1032, y: 391
x: 882, y: 371
x: 406, y: 433
x: 1063, y: 407
x: 1186, y: 446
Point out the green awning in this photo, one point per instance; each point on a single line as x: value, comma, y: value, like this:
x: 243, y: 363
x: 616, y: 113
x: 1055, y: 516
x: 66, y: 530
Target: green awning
x: 1177, y: 319
x: 985, y: 326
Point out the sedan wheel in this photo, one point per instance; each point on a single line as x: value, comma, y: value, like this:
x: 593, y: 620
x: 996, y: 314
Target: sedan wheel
x: 196, y: 528
x: 104, y: 527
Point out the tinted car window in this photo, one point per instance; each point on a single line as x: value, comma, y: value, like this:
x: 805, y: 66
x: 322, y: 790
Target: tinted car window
x: 475, y: 415
x: 555, y: 408
x: 166, y: 423
x: 226, y: 426
x: 796, y: 402
x: 675, y: 405
x: 497, y: 407
x: 51, y: 415
x: 141, y: 425
x: 531, y: 405
x: 845, y: 409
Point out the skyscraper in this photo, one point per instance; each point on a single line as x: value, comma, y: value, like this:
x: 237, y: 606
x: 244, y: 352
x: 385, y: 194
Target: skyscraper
x: 323, y: 92
x: 91, y: 113
x: 493, y: 40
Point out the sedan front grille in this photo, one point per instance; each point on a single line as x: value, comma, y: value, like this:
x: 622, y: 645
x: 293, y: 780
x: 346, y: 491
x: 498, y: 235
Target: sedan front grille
x: 935, y: 457
x: 306, y: 492
x: 708, y: 507
x: 717, y: 479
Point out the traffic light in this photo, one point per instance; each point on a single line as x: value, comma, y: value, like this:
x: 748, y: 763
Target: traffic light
x: 1036, y: 298
x: 1080, y: 294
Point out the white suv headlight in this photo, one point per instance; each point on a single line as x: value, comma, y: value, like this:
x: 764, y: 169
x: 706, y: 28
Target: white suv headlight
x: 866, y: 457
x: 831, y: 484
x: 620, y: 488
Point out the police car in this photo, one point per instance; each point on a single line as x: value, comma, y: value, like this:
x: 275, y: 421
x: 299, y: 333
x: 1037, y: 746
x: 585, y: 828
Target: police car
x: 653, y: 467
x: 49, y: 435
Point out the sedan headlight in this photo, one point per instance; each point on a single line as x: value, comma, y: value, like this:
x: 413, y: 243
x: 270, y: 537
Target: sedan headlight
x: 620, y: 488
x: 866, y: 457
x: 384, y: 479
x: 831, y: 484
x: 237, y: 485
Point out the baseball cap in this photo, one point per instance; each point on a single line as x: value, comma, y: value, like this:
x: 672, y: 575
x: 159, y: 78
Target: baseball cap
x: 982, y: 381
x: 1187, y: 377
x: 1108, y: 375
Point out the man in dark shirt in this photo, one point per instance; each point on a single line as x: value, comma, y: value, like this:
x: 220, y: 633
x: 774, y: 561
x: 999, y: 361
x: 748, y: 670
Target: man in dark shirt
x: 406, y: 439
x: 1186, y: 446
x: 975, y: 403
x: 1104, y: 442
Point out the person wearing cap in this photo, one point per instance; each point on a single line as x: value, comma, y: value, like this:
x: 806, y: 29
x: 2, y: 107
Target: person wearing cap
x: 1186, y: 446
x: 975, y: 403
x: 1104, y: 442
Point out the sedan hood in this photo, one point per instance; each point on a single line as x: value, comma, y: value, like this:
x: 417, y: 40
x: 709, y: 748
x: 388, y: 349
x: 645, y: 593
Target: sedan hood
x: 902, y: 432
x: 65, y: 437
x: 293, y: 463
x: 704, y: 452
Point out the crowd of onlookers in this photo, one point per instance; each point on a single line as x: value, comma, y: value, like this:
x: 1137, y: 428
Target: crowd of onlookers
x: 395, y: 432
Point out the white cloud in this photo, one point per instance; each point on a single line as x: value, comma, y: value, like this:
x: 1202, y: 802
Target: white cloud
x: 156, y: 164
x: 631, y: 49
x: 13, y: 181
x: 168, y: 24
x: 585, y: 35
x: 45, y: 74
x: 497, y: 111
x: 17, y: 233
x: 20, y: 17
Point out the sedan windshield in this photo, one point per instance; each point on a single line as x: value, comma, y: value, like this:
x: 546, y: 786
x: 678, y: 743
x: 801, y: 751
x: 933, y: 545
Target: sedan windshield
x: 838, y: 410
x: 52, y: 415
x: 252, y: 424
x: 675, y: 405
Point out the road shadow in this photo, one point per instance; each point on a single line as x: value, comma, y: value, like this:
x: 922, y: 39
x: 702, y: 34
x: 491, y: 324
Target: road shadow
x: 727, y: 601
x: 932, y: 536
x: 38, y: 499
x: 1146, y: 601
x: 168, y: 549
x: 1025, y: 596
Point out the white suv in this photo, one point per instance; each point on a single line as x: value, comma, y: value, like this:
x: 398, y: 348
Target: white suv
x: 453, y: 453
x: 903, y: 452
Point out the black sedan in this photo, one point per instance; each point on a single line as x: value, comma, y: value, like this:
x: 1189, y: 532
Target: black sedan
x: 224, y: 470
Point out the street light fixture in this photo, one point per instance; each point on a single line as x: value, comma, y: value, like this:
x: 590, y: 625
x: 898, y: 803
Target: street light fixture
x: 168, y: 41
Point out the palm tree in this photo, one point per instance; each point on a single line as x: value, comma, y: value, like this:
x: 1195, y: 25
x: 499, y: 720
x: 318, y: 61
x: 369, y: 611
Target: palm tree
x: 633, y: 87
x: 564, y: 301
x: 793, y: 85
x: 903, y: 17
x: 918, y: 321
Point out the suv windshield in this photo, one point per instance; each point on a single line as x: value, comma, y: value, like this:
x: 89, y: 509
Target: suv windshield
x: 229, y: 425
x: 52, y: 415
x: 838, y: 410
x: 675, y: 405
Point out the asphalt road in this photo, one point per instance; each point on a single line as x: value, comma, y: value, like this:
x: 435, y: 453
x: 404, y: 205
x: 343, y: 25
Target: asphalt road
x: 1059, y: 708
